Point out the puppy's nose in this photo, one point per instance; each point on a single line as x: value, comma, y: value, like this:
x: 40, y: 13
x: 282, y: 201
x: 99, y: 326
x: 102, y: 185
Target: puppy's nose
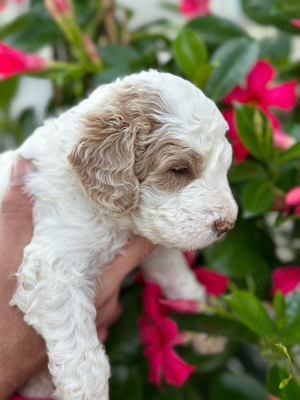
x: 223, y: 226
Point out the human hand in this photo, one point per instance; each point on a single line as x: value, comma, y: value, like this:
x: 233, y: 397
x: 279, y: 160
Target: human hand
x: 22, y: 350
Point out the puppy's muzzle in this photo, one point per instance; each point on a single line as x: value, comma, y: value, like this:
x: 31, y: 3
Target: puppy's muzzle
x: 223, y: 226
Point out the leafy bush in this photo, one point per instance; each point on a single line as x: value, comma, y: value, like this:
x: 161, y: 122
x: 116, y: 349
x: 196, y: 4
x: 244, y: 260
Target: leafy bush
x: 244, y: 344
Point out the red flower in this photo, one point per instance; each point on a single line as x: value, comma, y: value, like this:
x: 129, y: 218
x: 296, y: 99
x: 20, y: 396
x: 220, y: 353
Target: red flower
x: 160, y: 334
x: 260, y: 91
x: 215, y: 283
x: 192, y: 8
x: 285, y: 279
x: 239, y: 150
x: 15, y: 62
x: 292, y: 201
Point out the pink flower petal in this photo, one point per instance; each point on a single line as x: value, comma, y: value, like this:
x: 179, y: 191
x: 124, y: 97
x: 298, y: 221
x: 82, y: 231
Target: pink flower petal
x: 182, y: 306
x: 285, y: 279
x: 282, y: 96
x: 215, y: 283
x: 259, y: 76
x: 237, y: 94
x: 2, y: 5
x: 150, y: 333
x: 295, y: 22
x: 240, y: 152
x: 228, y: 114
x: 155, y: 364
x: 14, y: 62
x: 282, y: 140
x: 192, y: 8
x: 274, y: 121
x: 292, y: 198
x: 175, y: 369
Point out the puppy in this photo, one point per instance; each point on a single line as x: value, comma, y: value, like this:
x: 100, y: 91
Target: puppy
x: 144, y: 155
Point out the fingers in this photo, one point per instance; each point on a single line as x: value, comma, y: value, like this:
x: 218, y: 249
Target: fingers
x: 102, y: 330
x: 106, y: 310
x: 16, y: 209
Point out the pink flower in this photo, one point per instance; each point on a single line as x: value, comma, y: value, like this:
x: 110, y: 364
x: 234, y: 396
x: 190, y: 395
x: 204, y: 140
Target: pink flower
x: 182, y: 306
x: 295, y: 22
x: 160, y: 334
x: 260, y: 91
x: 239, y: 150
x: 91, y: 49
x: 282, y: 140
x: 292, y: 201
x: 2, y: 5
x: 215, y: 283
x: 190, y: 257
x: 192, y: 8
x: 58, y: 7
x: 285, y: 279
x: 15, y: 62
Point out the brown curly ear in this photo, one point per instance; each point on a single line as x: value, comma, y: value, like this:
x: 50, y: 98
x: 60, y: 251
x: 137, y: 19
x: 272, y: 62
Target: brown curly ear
x: 104, y: 156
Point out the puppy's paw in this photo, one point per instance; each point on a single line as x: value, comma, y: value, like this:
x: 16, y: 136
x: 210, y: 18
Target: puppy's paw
x: 186, y: 287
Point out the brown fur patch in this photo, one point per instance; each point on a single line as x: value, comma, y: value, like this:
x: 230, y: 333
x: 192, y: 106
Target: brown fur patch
x: 116, y: 152
x: 104, y: 156
x: 155, y: 166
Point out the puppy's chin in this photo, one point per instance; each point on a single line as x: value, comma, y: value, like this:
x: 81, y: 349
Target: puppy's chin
x: 194, y: 237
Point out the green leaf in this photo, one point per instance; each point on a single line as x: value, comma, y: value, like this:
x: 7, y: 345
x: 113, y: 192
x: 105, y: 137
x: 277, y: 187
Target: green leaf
x: 256, y: 197
x: 202, y: 75
x: 215, y: 30
x: 277, y: 375
x: 281, y: 220
x: 251, y: 312
x: 7, y: 90
x: 247, y: 170
x: 291, y: 153
x: 276, y: 47
x: 230, y: 386
x: 293, y: 304
x: 238, y: 254
x: 255, y: 131
x: 291, y: 335
x: 279, y: 305
x: 216, y: 326
x: 235, y: 58
x: 189, y: 52
x: 290, y: 5
x: 267, y: 12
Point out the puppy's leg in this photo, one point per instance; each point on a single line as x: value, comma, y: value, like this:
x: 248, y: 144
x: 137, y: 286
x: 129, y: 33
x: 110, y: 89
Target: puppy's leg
x: 58, y: 302
x: 170, y: 270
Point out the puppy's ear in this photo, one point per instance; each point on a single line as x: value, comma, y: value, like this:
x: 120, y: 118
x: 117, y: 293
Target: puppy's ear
x: 104, y: 156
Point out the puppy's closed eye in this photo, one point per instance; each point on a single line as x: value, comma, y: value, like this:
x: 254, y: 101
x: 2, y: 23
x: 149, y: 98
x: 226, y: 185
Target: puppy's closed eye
x: 180, y: 171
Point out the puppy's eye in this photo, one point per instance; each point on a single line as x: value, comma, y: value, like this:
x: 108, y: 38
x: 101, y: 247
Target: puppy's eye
x: 180, y: 171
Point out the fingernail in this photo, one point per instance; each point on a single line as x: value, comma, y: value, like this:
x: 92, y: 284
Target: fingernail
x: 19, y: 171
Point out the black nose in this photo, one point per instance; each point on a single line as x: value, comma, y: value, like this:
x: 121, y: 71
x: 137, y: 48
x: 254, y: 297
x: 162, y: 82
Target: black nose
x: 223, y: 226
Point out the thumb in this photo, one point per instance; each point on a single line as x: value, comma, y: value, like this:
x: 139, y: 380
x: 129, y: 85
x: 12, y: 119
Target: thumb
x: 16, y: 208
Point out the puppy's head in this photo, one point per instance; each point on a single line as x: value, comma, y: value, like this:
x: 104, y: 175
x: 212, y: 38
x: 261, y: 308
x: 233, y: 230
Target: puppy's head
x: 152, y: 148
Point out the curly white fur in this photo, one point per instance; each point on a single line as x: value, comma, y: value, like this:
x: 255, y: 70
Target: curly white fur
x: 74, y: 236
